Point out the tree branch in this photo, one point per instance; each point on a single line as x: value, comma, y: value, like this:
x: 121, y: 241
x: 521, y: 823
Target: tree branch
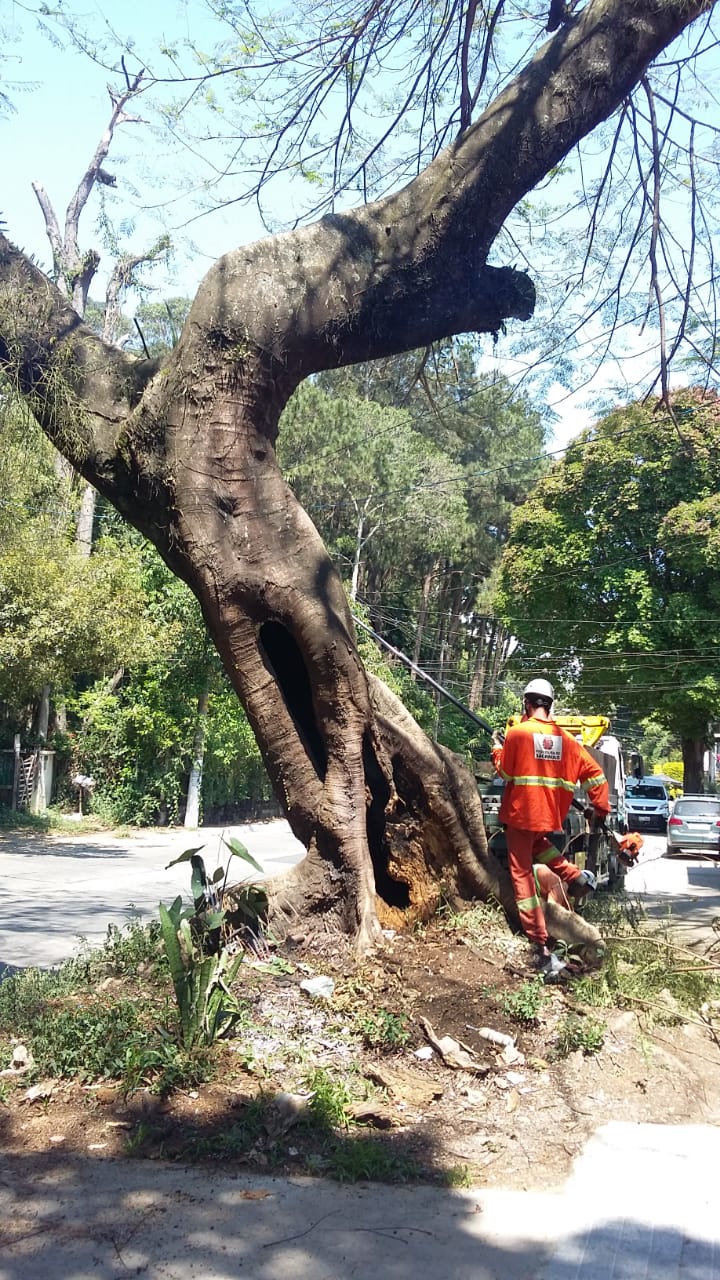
x: 89, y: 178
x: 52, y: 228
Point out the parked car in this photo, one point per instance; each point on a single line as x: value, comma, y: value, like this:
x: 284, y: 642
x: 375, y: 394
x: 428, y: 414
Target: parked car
x: 647, y: 804
x: 694, y: 826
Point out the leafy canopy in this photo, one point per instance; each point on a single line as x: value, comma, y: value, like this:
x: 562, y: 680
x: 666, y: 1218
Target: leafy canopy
x: 612, y: 569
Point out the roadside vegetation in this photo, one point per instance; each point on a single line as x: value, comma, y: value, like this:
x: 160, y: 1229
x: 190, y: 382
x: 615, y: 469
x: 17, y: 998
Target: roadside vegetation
x: 254, y: 1069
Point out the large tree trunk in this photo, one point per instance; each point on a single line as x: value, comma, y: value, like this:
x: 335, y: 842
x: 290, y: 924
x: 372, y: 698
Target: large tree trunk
x: 693, y: 754
x: 186, y: 453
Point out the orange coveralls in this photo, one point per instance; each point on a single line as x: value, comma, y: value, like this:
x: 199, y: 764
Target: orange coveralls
x: 541, y: 764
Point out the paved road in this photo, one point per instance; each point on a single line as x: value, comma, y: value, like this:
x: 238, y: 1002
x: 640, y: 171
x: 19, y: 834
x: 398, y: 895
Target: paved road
x: 58, y: 889
x: 686, y: 891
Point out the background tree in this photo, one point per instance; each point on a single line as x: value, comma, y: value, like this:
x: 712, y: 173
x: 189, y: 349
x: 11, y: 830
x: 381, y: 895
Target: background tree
x: 435, y: 603
x: 383, y: 497
x: 63, y: 617
x: 612, y: 570
x: 186, y: 451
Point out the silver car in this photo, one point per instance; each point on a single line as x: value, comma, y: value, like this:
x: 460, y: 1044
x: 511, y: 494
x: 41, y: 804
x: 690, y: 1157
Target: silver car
x: 694, y: 826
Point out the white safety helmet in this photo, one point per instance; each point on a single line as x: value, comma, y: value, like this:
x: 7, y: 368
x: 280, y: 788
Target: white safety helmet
x: 542, y: 688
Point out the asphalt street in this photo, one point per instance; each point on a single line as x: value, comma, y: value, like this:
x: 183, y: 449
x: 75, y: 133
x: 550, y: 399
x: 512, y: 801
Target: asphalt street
x: 685, y: 891
x: 56, y: 890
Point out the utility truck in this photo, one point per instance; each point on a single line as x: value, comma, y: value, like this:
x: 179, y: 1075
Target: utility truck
x: 587, y: 848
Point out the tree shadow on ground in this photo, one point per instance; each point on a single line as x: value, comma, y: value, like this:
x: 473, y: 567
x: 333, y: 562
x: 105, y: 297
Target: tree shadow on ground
x: 67, y: 1217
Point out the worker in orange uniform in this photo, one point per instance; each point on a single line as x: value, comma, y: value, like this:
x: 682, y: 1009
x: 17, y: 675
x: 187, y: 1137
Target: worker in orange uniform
x: 542, y: 764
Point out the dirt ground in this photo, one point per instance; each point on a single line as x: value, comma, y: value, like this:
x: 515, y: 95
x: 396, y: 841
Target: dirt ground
x: 498, y: 1119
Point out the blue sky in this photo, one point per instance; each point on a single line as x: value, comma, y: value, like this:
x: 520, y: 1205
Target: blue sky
x: 62, y: 106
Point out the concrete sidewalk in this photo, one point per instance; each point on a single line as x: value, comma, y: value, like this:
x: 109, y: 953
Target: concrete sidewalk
x: 638, y: 1204
x: 58, y: 889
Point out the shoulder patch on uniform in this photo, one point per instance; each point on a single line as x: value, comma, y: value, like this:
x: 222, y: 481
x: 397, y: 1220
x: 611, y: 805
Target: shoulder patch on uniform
x: 548, y: 746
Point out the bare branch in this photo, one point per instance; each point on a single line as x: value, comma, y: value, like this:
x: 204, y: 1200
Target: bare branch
x: 465, y: 99
x: 52, y: 229
x: 89, y: 178
x: 652, y: 252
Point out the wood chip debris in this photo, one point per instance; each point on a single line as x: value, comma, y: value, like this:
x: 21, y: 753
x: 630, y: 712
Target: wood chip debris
x: 454, y: 1053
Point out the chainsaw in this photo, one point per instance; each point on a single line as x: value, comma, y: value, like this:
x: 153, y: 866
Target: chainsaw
x: 627, y: 847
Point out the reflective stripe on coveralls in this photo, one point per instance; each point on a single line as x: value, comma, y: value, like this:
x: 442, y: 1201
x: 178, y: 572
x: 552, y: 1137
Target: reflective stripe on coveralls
x: 541, y: 764
x: 563, y: 783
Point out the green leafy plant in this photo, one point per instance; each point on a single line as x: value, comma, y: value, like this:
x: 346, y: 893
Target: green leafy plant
x: 207, y: 1008
x: 459, y: 1175
x: 383, y: 1029
x: 356, y: 1159
x: 161, y: 1065
x: 86, y: 1043
x: 248, y: 903
x: 330, y: 1099
x: 575, y: 1032
x: 524, y: 1005
x: 200, y: 965
x: 136, y: 948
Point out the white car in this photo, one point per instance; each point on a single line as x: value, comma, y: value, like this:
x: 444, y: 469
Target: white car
x: 648, y: 805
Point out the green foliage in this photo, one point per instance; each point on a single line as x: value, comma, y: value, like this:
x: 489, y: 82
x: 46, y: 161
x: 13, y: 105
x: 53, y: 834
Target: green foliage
x: 330, y: 1099
x: 73, y: 1031
x: 70, y: 1030
x: 161, y: 324
x: 369, y: 1160
x: 579, y: 1032
x: 200, y: 966
x: 207, y: 1009
x: 414, y: 505
x: 644, y: 969
x: 128, y: 951
x: 137, y: 736
x: 526, y: 1002
x: 619, y: 549
x: 371, y: 482
x: 384, y: 1030
x: 87, y: 1042
x: 64, y: 617
x: 460, y: 1176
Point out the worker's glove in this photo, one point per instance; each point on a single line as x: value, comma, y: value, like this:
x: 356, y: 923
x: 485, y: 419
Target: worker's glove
x: 498, y: 738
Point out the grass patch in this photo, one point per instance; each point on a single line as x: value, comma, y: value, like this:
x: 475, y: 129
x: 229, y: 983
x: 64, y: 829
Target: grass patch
x: 50, y: 820
x: 381, y: 1029
x: 525, y: 1003
x: 482, y: 921
x: 330, y: 1101
x: 644, y: 967
x: 75, y: 1029
x: 575, y: 1032
x: 368, y: 1160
